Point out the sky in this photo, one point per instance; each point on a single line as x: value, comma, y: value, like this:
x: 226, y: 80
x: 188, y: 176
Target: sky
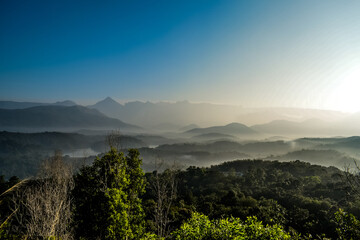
x: 254, y: 53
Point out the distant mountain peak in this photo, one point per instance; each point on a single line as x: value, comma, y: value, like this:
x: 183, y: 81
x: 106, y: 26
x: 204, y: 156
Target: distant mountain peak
x: 107, y: 106
x: 109, y: 99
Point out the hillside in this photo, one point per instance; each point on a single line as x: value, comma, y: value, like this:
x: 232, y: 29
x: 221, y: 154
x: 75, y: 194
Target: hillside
x: 21, y: 153
x: 232, y: 128
x: 213, y: 136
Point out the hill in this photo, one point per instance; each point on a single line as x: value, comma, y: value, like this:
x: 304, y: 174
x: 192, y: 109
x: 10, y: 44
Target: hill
x: 72, y: 117
x: 108, y: 106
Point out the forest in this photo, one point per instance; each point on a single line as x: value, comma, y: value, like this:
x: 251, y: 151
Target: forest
x: 113, y: 198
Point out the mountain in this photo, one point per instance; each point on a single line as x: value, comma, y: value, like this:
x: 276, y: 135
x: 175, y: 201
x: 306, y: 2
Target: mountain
x: 230, y: 129
x: 53, y: 117
x: 108, y: 106
x: 22, y: 105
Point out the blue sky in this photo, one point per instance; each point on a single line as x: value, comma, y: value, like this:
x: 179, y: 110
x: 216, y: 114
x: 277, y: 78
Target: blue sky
x: 250, y: 53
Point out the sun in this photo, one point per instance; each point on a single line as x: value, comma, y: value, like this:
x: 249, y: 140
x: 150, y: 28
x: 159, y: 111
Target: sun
x: 346, y: 93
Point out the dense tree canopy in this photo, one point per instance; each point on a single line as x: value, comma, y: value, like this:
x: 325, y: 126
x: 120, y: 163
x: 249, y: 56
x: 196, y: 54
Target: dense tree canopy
x: 247, y: 199
x: 106, y: 198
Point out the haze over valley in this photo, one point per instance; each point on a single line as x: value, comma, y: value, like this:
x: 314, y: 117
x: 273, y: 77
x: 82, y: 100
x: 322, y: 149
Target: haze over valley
x: 185, y: 133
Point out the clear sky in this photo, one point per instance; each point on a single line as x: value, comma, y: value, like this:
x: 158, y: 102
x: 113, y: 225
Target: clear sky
x: 251, y: 53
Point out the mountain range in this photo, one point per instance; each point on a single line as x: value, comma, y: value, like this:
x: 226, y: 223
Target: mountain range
x: 179, y: 117
x: 184, y: 113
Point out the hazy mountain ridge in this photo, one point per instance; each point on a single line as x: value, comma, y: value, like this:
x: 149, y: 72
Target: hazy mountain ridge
x: 181, y: 116
x: 310, y: 128
x: 326, y: 157
x: 179, y: 113
x: 22, y: 105
x: 213, y: 136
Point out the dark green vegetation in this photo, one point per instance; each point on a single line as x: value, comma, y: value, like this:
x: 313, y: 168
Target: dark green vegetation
x: 296, y: 195
x: 248, y: 199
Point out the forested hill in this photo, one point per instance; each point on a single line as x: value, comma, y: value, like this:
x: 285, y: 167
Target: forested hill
x: 297, y: 195
x: 297, y: 168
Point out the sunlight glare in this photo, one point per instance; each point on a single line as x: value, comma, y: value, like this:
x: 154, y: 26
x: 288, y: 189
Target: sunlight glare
x: 346, y: 95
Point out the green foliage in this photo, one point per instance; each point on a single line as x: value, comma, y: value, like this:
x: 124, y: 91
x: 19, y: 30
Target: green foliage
x: 348, y: 227
x: 200, y: 227
x: 296, y: 195
x: 106, y: 198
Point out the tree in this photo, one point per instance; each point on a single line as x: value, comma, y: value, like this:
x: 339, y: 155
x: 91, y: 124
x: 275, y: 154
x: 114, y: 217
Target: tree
x: 113, y: 140
x: 107, y: 203
x: 352, y: 178
x: 348, y: 227
x: 42, y: 206
x: 164, y: 188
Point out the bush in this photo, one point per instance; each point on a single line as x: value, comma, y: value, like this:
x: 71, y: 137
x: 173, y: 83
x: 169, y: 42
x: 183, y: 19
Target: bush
x: 200, y: 227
